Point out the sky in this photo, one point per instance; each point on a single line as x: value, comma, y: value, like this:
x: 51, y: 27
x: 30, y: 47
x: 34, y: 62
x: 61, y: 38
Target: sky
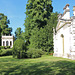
x: 15, y: 10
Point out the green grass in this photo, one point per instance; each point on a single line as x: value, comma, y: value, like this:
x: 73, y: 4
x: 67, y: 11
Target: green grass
x: 46, y: 65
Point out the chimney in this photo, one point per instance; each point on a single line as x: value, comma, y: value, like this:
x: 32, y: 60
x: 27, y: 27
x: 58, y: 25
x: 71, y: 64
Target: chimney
x: 66, y: 14
x: 74, y: 10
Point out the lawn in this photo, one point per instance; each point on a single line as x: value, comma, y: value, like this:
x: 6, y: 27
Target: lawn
x: 46, y: 65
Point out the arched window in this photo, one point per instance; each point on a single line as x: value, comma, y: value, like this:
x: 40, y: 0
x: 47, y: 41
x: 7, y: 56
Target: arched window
x: 6, y: 43
x: 3, y: 43
x: 10, y: 43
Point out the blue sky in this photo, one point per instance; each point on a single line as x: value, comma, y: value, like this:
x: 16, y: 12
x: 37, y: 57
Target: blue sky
x: 14, y: 10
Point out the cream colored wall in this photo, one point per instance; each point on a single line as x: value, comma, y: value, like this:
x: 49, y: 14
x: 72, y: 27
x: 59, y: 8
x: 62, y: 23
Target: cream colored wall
x: 7, y: 38
x: 69, y: 41
x: 65, y: 26
x: 66, y: 15
x: 59, y: 41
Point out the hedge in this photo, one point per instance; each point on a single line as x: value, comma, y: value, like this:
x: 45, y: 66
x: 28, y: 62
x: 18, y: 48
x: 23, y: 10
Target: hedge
x: 4, y: 47
x: 5, y: 52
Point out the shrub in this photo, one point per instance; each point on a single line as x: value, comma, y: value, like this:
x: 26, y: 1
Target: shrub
x: 2, y: 47
x: 34, y: 53
x: 7, y: 47
x: 6, y: 52
x: 19, y: 49
x: 0, y: 50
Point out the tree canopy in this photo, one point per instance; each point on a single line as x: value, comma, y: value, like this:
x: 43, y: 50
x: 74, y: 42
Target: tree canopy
x: 39, y: 23
x: 4, y: 28
x: 18, y: 33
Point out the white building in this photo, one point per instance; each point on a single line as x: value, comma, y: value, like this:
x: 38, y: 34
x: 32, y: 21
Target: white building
x: 7, y: 41
x: 64, y: 35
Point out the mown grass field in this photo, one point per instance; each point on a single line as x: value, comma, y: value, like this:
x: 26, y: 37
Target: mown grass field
x: 46, y: 65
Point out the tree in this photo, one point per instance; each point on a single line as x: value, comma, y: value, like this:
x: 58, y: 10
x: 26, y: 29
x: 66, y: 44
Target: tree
x: 38, y: 13
x: 43, y: 38
x: 19, y: 48
x: 4, y: 29
x: 18, y: 33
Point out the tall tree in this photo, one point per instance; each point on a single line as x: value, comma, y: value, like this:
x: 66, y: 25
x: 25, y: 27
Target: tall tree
x: 18, y: 33
x: 4, y: 29
x: 38, y: 13
x: 43, y: 38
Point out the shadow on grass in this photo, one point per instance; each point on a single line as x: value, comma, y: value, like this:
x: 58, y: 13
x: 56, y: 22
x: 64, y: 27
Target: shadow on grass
x: 50, y: 68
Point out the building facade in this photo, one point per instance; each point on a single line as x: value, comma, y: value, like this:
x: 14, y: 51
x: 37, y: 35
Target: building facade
x: 7, y: 41
x: 64, y: 35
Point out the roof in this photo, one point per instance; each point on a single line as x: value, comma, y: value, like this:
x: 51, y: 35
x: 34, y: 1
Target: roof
x: 7, y: 37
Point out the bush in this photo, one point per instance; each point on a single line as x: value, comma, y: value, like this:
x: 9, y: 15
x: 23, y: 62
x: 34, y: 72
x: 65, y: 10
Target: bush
x: 2, y: 47
x: 6, y: 52
x: 0, y: 50
x: 34, y: 53
x: 19, y: 49
x: 7, y: 47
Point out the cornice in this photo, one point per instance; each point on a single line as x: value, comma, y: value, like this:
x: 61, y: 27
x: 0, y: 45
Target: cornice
x: 63, y: 25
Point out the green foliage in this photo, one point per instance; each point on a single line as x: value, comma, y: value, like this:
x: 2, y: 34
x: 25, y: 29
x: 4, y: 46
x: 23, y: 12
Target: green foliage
x: 19, y: 48
x: 34, y: 53
x: 38, y: 12
x: 39, y: 24
x: 0, y: 38
x: 43, y: 38
x: 5, y: 52
x: 53, y: 20
x: 4, y: 29
x: 0, y: 50
x: 4, y: 47
x: 18, y: 33
x: 22, y: 36
x: 8, y: 46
